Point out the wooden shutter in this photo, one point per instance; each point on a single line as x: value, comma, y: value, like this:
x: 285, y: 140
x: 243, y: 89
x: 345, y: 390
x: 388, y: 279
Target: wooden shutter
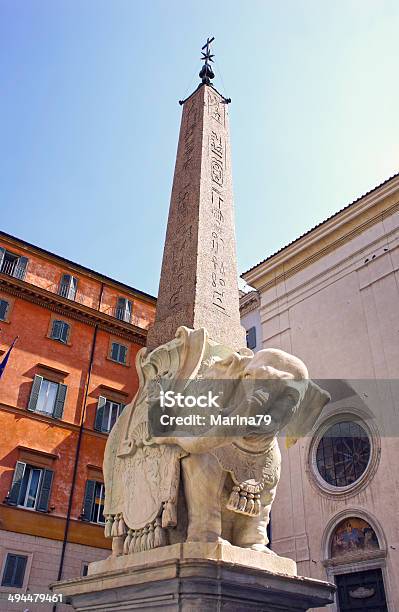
x: 3, y: 310
x: 64, y: 332
x: 60, y: 331
x: 128, y: 311
x: 68, y: 286
x: 2, y: 253
x: 45, y: 490
x: 34, y: 394
x: 118, y: 352
x: 98, y: 424
x: 64, y: 285
x: 14, y: 571
x: 73, y: 287
x: 20, y: 268
x: 120, y: 308
x: 19, y: 573
x: 55, y: 330
x: 88, y: 499
x: 60, y: 401
x: 251, y: 338
x: 122, y: 353
x: 19, y: 472
x: 124, y: 309
x: 114, y: 351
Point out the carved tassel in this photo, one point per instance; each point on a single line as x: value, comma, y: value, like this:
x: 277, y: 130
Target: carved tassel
x: 159, y: 534
x: 126, y: 543
x: 169, y: 515
x: 137, y: 540
x: 108, y: 526
x: 150, y: 537
x: 234, y: 499
x: 249, y: 508
x: 132, y: 542
x: 243, y: 502
x: 257, y: 506
x: 121, y: 527
x: 143, y: 539
x: 114, y: 530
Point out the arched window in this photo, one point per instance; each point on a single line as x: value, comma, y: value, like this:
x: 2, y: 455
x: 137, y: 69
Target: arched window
x: 352, y: 535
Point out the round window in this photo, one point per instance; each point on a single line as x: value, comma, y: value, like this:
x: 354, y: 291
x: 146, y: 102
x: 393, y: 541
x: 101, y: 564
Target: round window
x: 343, y: 453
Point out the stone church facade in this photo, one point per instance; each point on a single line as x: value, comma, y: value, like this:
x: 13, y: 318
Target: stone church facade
x: 331, y: 297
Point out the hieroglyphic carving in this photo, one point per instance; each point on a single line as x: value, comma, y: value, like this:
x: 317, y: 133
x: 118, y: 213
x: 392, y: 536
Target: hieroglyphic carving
x: 217, y: 252
x: 189, y: 134
x: 179, y: 254
x: 217, y: 169
x: 216, y: 144
x: 216, y: 107
x: 183, y: 235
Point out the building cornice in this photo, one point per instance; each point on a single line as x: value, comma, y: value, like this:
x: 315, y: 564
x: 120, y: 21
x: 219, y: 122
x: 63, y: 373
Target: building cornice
x: 248, y: 302
x: 62, y: 261
x: 326, y: 237
x: 51, y: 526
x: 56, y: 423
x: 71, y: 309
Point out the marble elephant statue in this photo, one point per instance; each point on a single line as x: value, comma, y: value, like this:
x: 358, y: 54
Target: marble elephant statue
x: 220, y: 486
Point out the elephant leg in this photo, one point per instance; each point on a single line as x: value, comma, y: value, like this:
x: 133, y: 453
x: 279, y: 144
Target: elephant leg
x: 251, y: 532
x: 203, y: 480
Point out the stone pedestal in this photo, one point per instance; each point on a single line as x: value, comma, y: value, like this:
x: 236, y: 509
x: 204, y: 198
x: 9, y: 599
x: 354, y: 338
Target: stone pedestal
x: 195, y: 578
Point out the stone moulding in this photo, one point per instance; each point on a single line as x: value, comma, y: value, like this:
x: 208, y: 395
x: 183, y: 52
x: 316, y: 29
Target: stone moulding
x: 196, y: 577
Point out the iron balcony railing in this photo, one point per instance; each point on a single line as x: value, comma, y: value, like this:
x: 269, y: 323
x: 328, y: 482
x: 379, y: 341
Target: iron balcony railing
x: 124, y: 315
x: 13, y: 268
x: 68, y: 292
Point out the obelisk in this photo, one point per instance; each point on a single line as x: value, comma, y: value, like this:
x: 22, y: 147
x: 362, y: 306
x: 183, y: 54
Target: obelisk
x: 165, y: 506
x: 198, y: 285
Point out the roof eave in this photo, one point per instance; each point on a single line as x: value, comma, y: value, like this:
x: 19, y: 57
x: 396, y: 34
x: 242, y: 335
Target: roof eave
x: 321, y: 230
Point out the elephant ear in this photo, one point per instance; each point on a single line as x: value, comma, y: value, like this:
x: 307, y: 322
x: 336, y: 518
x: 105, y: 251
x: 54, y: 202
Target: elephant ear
x: 307, y: 413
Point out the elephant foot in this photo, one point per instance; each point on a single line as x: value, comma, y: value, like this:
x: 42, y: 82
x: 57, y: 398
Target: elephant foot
x: 262, y: 548
x: 216, y: 540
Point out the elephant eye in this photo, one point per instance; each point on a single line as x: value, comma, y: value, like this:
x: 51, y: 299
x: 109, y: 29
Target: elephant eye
x: 292, y: 395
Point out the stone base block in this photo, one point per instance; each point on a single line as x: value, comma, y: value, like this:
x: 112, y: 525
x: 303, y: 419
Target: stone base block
x: 195, y: 578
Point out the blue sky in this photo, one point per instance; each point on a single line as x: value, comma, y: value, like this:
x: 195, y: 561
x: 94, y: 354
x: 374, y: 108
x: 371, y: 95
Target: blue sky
x: 89, y: 118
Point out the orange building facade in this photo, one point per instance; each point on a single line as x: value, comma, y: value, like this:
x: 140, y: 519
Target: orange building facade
x: 68, y: 377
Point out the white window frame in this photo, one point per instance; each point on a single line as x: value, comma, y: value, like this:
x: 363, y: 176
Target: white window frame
x: 112, y: 404
x: 31, y: 468
x: 51, y: 382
